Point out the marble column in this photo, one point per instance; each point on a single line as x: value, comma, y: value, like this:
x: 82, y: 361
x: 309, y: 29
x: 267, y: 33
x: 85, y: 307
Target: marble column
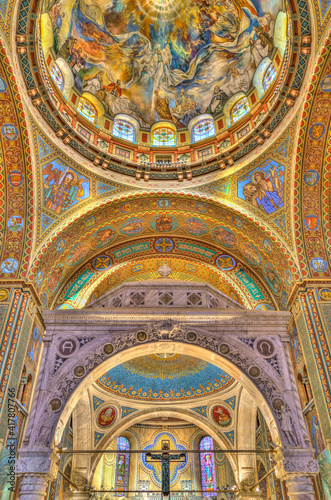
x: 297, y: 467
x: 35, y: 469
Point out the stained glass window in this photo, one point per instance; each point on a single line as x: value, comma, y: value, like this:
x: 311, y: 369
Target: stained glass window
x: 163, y: 136
x: 239, y: 109
x: 207, y: 464
x: 57, y: 76
x: 269, y: 76
x: 124, y: 129
x: 87, y: 109
x: 203, y: 129
x: 122, y: 466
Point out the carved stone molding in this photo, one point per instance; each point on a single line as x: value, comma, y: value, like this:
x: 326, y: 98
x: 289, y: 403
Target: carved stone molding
x: 295, y: 463
x: 33, y: 486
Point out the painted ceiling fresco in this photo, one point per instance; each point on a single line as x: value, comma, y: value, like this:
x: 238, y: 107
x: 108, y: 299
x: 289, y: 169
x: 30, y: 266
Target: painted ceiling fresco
x: 165, y: 377
x: 164, y: 60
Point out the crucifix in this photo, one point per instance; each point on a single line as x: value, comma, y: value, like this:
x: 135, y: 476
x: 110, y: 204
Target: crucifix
x: 165, y: 458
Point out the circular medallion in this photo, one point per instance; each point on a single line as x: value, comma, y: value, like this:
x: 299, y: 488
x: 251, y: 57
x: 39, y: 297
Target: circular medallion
x: 107, y: 416
x: 60, y: 245
x: 102, y: 263
x: 125, y: 208
x: 225, y: 236
x: 254, y: 371
x: 237, y: 222
x: 9, y: 266
x: 3, y: 85
x: 224, y: 348
x: 15, y: 223
x: 141, y: 336
x: 9, y: 132
x: 55, y: 404
x: 265, y: 348
x: 221, y: 416
x: 64, y: 306
x: 164, y: 203
x: 225, y: 262
x: 164, y: 245
x: 325, y: 294
x: 201, y: 207
x: 251, y: 253
x: 103, y: 236
x: 78, y: 253
x: 272, y: 277
x: 133, y: 226
x: 277, y: 403
x: 108, y: 348
x: 318, y: 264
x: 79, y: 371
x: 288, y: 277
x: 39, y: 278
x: 90, y: 222
x: 312, y: 222
x: 267, y: 245
x: 67, y: 347
x: 164, y: 223
x: 195, y: 226
x: 311, y: 177
x: 191, y: 336
x: 264, y: 307
x: 326, y: 84
x: 15, y: 178
x: 317, y: 131
x: 3, y: 294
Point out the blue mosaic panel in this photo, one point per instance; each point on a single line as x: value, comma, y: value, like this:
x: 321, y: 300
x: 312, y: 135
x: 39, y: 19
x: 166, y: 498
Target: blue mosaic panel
x: 202, y: 410
x: 207, y: 464
x: 126, y: 411
x: 97, y: 437
x: 97, y: 402
x: 230, y: 436
x: 231, y: 402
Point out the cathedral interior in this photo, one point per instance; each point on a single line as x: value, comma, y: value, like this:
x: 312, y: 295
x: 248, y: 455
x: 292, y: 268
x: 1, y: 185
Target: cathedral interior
x: 165, y: 264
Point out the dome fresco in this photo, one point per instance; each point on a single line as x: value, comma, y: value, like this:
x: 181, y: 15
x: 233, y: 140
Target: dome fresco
x: 161, y: 60
x: 165, y: 376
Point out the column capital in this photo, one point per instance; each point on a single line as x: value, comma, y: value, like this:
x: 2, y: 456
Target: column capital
x: 37, y: 462
x: 295, y: 462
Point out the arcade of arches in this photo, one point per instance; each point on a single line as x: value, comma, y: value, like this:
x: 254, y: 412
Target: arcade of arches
x: 165, y: 265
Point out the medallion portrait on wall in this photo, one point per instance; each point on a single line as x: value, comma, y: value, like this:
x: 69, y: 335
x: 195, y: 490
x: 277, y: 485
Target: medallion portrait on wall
x: 201, y: 207
x: 221, y: 416
x: 267, y: 245
x: 264, y: 347
x: 164, y: 203
x: 60, y: 245
x: 251, y: 253
x: 67, y: 347
x: 318, y: 264
x: 103, y: 237
x: 39, y: 278
x: 264, y: 307
x: 78, y: 253
x: 3, y: 85
x: 326, y: 84
x: 55, y: 278
x: 90, y: 222
x: 288, y: 277
x: 225, y: 236
x: 55, y: 404
x: 125, y: 208
x: 133, y: 226
x: 79, y: 371
x: 254, y: 371
x: 141, y: 336
x: 195, y: 226
x: 237, y: 222
x: 9, y: 266
x: 191, y: 336
x: 311, y: 177
x: 15, y: 223
x: 325, y: 294
x: 107, y: 416
x: 164, y: 223
x: 108, y: 348
x: 272, y: 277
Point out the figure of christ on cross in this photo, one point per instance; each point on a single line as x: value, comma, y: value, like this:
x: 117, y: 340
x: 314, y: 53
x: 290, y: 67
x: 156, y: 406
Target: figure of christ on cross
x: 165, y: 458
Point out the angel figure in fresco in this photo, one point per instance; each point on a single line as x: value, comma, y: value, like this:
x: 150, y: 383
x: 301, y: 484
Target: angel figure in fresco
x: 265, y: 193
x: 155, y: 63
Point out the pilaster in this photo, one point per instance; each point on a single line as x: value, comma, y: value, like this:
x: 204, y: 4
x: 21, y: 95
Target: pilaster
x: 35, y: 469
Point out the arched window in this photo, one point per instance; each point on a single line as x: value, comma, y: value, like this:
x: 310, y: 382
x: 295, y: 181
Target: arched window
x: 239, y: 109
x: 269, y: 76
x: 87, y: 109
x: 163, y: 136
x: 203, y: 129
x: 125, y: 130
x: 122, y: 465
x: 57, y: 76
x: 207, y: 465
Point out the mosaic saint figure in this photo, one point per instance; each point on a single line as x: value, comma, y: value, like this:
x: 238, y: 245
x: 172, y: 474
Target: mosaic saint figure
x: 163, y: 223
x: 61, y: 194
x: 265, y: 192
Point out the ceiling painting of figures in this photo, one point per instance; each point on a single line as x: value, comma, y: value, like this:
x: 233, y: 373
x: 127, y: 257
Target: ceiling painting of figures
x: 162, y: 60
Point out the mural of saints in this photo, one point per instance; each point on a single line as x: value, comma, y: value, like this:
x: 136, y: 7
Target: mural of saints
x: 164, y: 60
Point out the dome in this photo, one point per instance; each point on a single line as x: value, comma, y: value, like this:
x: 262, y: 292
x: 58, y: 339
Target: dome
x: 165, y: 377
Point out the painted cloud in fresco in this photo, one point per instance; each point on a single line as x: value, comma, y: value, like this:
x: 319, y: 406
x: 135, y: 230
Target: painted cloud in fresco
x: 164, y: 59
